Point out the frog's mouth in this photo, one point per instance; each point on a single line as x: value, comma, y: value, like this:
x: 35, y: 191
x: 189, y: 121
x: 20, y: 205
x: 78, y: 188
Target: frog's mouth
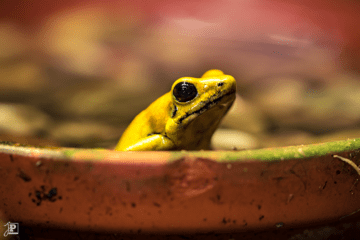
x: 209, y: 104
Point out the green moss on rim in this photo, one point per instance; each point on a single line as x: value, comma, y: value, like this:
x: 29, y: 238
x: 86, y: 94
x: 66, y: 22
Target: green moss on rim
x: 267, y: 154
x: 281, y: 153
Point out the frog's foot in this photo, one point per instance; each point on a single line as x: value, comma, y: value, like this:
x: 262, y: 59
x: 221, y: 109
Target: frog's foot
x: 153, y: 142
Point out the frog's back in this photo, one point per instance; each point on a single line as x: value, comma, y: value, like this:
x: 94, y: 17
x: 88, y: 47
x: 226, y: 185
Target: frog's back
x: 150, y: 121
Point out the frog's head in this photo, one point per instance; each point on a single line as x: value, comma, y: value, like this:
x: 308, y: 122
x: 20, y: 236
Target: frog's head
x: 192, y: 97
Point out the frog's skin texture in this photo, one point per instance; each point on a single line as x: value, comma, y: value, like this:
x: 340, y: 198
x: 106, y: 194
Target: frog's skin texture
x: 184, y: 118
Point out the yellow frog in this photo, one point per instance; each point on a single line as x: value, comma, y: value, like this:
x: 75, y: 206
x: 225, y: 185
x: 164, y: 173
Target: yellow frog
x: 184, y: 118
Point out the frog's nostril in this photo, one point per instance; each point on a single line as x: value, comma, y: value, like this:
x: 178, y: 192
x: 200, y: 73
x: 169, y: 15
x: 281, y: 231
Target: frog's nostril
x: 220, y: 84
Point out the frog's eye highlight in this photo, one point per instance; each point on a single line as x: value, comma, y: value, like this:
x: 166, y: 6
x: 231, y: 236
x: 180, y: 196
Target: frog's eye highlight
x: 184, y: 91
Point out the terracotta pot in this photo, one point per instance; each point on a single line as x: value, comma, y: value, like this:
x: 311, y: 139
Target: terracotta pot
x: 172, y: 192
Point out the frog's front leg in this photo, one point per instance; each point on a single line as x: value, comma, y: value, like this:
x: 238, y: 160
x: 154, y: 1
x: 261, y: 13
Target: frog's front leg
x: 151, y: 143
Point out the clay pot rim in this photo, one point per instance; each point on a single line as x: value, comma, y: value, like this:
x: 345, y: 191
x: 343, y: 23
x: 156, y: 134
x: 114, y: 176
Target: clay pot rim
x: 163, y: 157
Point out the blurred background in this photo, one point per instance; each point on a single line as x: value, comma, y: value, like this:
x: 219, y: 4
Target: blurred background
x: 75, y: 73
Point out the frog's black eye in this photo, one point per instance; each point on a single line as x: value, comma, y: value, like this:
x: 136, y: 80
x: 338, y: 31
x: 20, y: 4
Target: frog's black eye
x: 184, y: 91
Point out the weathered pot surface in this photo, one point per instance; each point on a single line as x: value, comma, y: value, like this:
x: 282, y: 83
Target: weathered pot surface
x: 169, y: 192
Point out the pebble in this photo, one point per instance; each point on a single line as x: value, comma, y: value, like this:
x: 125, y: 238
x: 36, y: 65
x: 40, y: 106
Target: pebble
x: 85, y: 133
x: 315, y: 107
x: 228, y: 139
x: 72, y: 41
x: 13, y: 42
x: 22, y: 77
x: 23, y: 120
x: 244, y: 116
x: 96, y: 100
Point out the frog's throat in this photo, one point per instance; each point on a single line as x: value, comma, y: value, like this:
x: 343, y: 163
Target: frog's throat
x: 206, y: 107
